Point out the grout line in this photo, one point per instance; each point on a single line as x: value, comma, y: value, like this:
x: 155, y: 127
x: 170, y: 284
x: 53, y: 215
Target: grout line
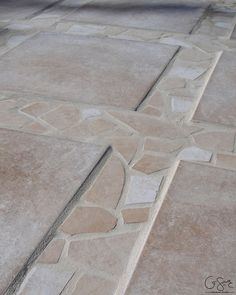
x: 151, y: 89
x: 15, y: 284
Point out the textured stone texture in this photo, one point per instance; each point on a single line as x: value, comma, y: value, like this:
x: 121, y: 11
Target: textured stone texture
x: 34, y: 189
x: 215, y: 140
x: 109, y: 254
x: 134, y: 215
x: 218, y: 104
x: 47, y: 281
x: 52, y: 253
x: 89, y: 220
x: 149, y: 163
x: 89, y: 70
x: 193, y: 236
x: 101, y: 192
x: 150, y: 14
x: 92, y: 285
x: 227, y: 161
x: 143, y: 189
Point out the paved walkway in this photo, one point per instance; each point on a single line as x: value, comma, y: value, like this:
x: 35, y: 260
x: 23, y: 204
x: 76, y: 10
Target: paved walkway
x: 117, y: 147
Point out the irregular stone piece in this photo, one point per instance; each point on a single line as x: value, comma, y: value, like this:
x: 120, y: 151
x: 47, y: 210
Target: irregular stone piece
x: 162, y: 145
x: 143, y: 189
x: 13, y: 120
x: 89, y: 220
x: 149, y: 163
x: 126, y: 145
x: 46, y: 280
x: 227, y: 161
x: 140, y: 14
x: 149, y: 126
x: 38, y: 177
x: 37, y: 108
x: 106, y: 191
x: 218, y: 104
x: 52, y: 253
x: 88, y: 128
x: 35, y: 127
x: 92, y: 285
x: 217, y: 140
x: 194, y: 153
x: 190, y: 72
x: 135, y: 215
x: 84, y: 69
x: 62, y: 117
x: 109, y: 254
x: 193, y: 236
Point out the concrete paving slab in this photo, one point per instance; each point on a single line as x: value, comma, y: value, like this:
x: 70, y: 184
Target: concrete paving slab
x: 218, y: 104
x: 12, y: 10
x: 193, y: 236
x: 154, y: 15
x: 84, y: 69
x: 38, y: 177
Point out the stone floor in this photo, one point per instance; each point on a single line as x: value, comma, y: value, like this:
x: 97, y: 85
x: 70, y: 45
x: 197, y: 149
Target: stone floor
x: 117, y: 147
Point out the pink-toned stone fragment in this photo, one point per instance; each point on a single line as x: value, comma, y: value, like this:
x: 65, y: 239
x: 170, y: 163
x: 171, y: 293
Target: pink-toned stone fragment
x: 217, y: 140
x: 227, y: 161
x: 135, y: 215
x: 106, y: 191
x: 149, y: 163
x: 93, y: 285
x: 62, y: 117
x: 89, y: 220
x: 52, y: 252
x: 108, y: 254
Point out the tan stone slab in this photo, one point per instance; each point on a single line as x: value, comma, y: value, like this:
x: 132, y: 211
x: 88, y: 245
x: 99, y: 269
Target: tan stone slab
x: 89, y: 220
x: 193, y: 236
x: 84, y: 69
x: 154, y: 15
x: 92, y: 285
x: 218, y: 104
x: 227, y: 161
x: 38, y: 177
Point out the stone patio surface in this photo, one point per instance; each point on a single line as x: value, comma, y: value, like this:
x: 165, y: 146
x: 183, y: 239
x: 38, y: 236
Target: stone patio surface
x: 117, y: 147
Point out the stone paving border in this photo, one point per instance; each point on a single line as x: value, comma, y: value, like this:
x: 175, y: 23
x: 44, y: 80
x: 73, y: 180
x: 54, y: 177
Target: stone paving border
x: 147, y: 144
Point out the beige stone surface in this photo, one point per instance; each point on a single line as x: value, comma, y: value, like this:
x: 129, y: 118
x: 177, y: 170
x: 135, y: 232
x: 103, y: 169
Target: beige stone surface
x: 46, y: 280
x: 84, y: 69
x: 89, y: 220
x: 149, y: 126
x: 193, y: 236
x: 34, y: 189
x: 135, y: 215
x: 149, y: 163
x: 109, y: 254
x: 162, y: 145
x: 218, y: 103
x: 227, y: 161
x: 215, y: 140
x: 154, y: 15
x: 92, y: 285
x: 52, y: 253
x: 102, y: 192
x: 62, y: 117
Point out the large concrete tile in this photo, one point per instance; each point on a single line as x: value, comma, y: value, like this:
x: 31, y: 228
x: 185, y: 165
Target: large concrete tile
x: 175, y: 16
x: 38, y: 177
x: 218, y: 103
x: 12, y: 10
x: 193, y: 236
x: 89, y: 70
